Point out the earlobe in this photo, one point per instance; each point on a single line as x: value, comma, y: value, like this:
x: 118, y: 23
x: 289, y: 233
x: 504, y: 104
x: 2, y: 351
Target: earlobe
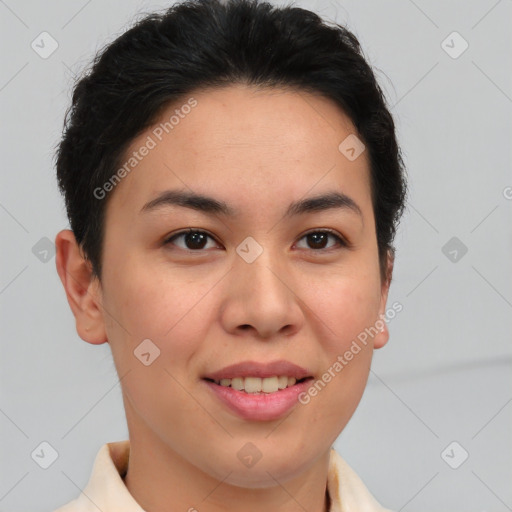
x: 83, y: 290
x: 382, y: 337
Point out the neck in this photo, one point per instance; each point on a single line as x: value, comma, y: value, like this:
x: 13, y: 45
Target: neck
x: 158, y: 476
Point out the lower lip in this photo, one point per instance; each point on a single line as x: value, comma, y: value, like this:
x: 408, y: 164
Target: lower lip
x: 259, y: 406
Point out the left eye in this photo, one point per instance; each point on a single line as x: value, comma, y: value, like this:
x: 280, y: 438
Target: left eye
x: 318, y: 239
x: 195, y: 240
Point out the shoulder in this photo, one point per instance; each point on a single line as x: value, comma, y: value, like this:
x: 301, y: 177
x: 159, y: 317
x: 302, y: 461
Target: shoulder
x: 72, y: 506
x: 105, y: 490
x: 347, y: 490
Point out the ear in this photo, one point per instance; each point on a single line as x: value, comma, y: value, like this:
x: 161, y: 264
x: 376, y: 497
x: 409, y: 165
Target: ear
x: 382, y: 337
x: 83, y: 291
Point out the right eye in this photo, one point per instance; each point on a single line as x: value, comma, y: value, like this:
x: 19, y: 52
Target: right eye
x: 193, y: 240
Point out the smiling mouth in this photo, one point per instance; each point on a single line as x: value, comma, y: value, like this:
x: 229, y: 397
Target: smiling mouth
x: 258, y: 385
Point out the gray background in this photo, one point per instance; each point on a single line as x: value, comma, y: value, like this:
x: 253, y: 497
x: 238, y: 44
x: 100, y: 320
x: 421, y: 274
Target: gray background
x: 444, y: 376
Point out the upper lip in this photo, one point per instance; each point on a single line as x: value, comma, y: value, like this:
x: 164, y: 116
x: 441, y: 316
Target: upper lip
x: 254, y: 369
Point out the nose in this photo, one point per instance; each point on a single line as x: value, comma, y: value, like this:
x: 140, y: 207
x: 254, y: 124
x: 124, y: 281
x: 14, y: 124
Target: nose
x: 260, y: 301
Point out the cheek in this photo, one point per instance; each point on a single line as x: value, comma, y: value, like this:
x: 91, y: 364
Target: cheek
x: 345, y: 306
x: 140, y: 307
x: 348, y: 310
x: 145, y: 307
x: 148, y: 302
x: 172, y: 310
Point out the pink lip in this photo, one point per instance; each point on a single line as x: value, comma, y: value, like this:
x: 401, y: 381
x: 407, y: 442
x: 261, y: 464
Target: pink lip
x: 259, y: 406
x: 262, y: 370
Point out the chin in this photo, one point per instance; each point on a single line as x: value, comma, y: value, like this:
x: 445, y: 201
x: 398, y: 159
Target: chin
x: 253, y: 478
x: 265, y: 472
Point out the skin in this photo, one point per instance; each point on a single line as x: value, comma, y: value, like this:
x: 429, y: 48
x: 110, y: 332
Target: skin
x: 257, y: 150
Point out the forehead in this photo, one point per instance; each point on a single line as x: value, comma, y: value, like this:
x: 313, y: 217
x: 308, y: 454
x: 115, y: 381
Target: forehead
x: 237, y: 139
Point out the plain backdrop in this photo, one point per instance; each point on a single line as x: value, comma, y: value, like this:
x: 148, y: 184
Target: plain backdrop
x: 433, y: 430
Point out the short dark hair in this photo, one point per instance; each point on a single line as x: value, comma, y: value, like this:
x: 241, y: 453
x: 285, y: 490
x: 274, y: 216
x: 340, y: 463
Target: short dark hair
x: 200, y: 44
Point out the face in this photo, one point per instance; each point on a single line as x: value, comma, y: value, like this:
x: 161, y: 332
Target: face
x: 245, y: 279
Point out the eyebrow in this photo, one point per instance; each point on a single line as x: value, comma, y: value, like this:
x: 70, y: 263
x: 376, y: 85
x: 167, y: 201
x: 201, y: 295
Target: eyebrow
x: 211, y: 206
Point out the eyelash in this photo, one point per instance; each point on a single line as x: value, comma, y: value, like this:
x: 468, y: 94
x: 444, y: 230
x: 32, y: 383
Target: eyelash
x: 341, y: 242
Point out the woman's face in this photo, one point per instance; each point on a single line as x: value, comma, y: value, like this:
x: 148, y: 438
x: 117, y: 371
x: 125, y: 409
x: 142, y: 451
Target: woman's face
x: 261, y: 284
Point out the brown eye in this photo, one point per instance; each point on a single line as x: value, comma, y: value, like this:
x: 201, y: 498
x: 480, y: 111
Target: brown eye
x: 192, y: 240
x: 318, y: 240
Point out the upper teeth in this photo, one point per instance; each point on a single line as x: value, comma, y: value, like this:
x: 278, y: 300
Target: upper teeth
x: 257, y: 384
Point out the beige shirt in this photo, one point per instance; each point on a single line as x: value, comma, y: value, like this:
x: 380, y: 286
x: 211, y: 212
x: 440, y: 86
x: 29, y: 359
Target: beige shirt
x: 107, y: 492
